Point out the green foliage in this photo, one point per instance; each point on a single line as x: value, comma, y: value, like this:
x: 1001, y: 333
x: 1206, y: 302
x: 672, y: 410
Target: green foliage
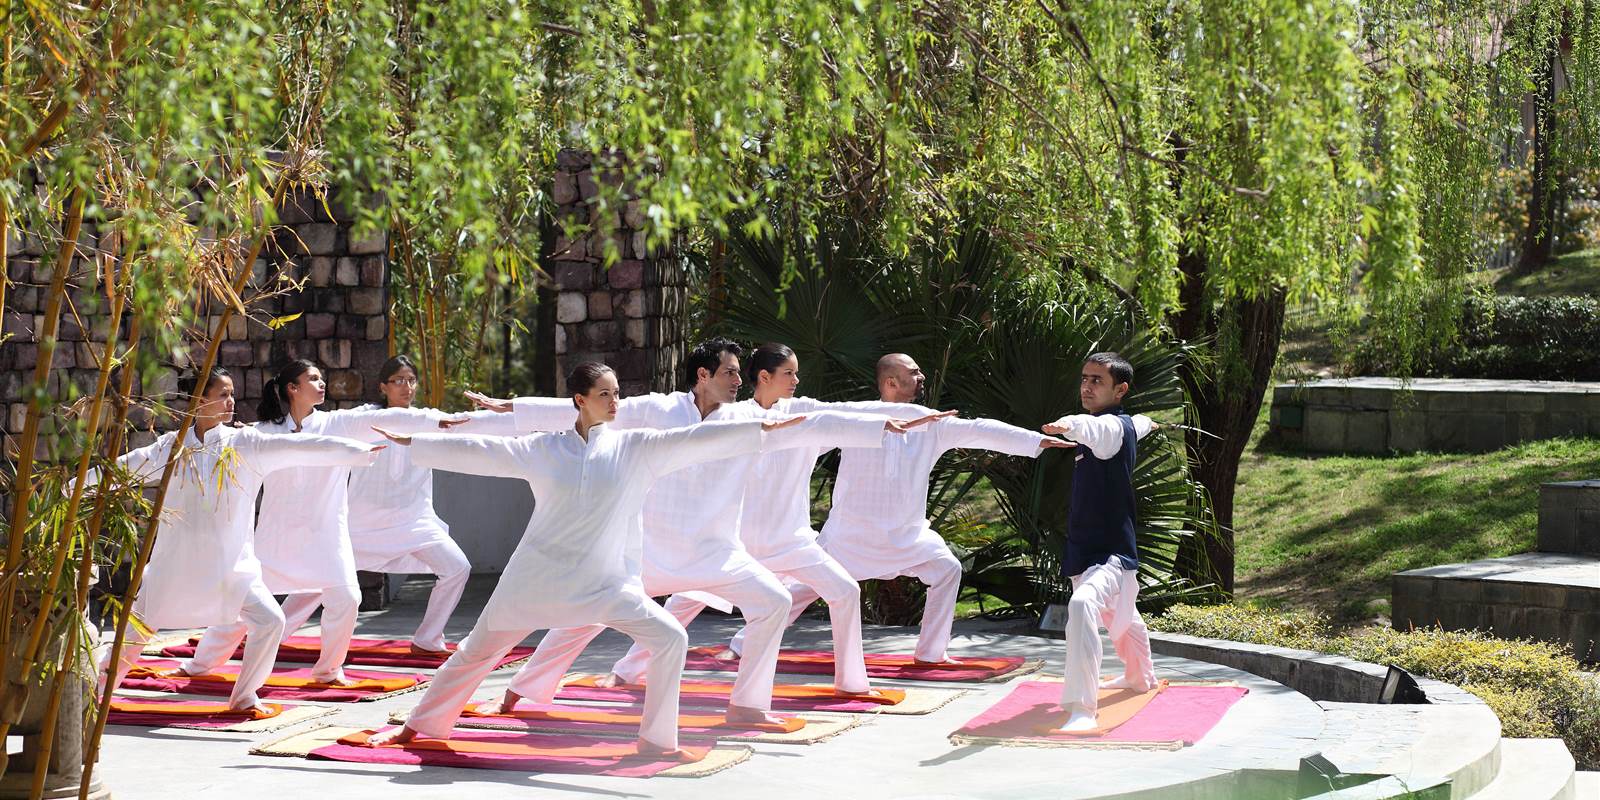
x: 995, y: 342
x: 1536, y: 689
x: 1530, y: 338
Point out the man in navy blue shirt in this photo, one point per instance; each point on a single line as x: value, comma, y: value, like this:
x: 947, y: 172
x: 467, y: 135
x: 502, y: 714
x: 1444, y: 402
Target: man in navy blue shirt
x: 1101, y: 557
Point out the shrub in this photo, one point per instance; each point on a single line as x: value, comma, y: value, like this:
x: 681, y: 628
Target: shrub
x: 1527, y: 338
x: 1536, y: 689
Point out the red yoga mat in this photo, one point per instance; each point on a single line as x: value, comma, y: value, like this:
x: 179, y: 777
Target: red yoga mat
x: 284, y: 684
x: 715, y: 694
x: 512, y: 750
x: 622, y: 719
x: 366, y: 652
x: 1177, y: 714
x: 879, y: 665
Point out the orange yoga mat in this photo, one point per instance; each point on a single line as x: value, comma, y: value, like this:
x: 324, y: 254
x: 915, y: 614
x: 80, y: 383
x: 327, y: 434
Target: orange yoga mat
x: 886, y: 697
x: 193, y: 709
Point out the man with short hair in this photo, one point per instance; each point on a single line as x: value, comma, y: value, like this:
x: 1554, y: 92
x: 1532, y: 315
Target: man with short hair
x: 1101, y: 557
x: 878, y: 526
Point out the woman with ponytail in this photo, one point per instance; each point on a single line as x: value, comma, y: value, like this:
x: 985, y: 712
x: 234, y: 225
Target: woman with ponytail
x: 393, y: 527
x: 203, y: 569
x: 302, y: 532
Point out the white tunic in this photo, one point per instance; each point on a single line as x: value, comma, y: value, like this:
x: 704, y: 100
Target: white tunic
x: 302, y: 531
x: 391, y: 503
x: 775, y: 524
x: 581, y: 545
x: 203, y: 562
x: 878, y: 526
x: 691, y: 518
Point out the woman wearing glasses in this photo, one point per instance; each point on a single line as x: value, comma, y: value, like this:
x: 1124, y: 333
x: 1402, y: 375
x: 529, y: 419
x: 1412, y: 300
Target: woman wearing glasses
x: 393, y: 527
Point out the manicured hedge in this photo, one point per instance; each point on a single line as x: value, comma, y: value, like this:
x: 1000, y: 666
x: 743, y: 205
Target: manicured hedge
x: 1536, y: 689
x: 1528, y: 338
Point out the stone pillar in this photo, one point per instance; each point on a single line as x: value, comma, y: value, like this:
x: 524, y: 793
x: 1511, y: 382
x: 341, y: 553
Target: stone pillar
x: 629, y: 315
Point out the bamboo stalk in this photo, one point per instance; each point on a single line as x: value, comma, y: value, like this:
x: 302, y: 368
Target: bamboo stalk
x: 92, y: 746
x: 41, y: 768
x: 22, y: 486
x: 5, y: 256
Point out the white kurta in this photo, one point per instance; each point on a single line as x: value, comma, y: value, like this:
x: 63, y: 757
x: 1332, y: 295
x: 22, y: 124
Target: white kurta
x: 775, y: 524
x: 691, y: 518
x: 203, y: 562
x: 302, y: 531
x: 391, y: 503
x: 573, y: 559
x: 878, y: 526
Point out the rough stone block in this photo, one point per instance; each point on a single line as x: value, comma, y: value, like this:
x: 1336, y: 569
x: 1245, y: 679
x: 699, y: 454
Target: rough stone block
x: 377, y: 328
x: 333, y: 354
x: 351, y: 327
x: 564, y: 189
x: 633, y: 215
x: 600, y: 305
x: 319, y: 326
x: 236, y: 354
x: 320, y: 272
x: 569, y: 249
x: 372, y: 271
x: 368, y: 357
x: 18, y: 325
x: 572, y: 307
x: 328, y: 302
x: 639, y: 248
x: 238, y: 327
x: 348, y: 272
x: 17, y: 418
x: 587, y: 189
x: 602, y: 335
x: 571, y: 160
x: 575, y: 276
x: 366, y: 302
x: 344, y: 384
x: 561, y: 340
x: 374, y: 243
x: 317, y: 238
x: 634, y: 333
x: 626, y: 275
x: 10, y: 386
x: 1325, y: 429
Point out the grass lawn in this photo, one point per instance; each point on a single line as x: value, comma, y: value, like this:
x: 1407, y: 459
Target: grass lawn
x: 1325, y: 532
x: 1570, y: 274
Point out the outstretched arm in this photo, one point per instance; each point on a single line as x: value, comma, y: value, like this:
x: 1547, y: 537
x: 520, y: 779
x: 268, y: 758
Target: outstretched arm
x: 496, y: 456
x: 266, y: 453
x: 1102, y: 434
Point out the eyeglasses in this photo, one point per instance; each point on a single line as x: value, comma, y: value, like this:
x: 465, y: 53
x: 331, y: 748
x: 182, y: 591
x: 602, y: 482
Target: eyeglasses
x: 402, y: 381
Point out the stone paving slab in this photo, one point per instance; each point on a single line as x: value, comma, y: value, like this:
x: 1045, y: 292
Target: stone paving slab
x: 1272, y: 728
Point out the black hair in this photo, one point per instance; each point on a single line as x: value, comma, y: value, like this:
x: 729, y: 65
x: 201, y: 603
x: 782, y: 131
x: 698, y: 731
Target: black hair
x: 187, y: 381
x: 707, y: 355
x: 392, y: 366
x: 766, y: 358
x: 1121, y: 371
x: 584, y: 376
x: 274, y: 405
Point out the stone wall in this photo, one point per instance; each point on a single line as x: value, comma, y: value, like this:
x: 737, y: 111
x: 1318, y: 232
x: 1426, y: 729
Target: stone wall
x: 1569, y: 517
x: 629, y: 315
x: 1382, y: 415
x: 343, y: 326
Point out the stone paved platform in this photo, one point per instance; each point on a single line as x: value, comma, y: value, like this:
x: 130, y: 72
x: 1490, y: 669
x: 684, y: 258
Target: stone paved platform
x: 1271, y: 729
x: 1549, y: 596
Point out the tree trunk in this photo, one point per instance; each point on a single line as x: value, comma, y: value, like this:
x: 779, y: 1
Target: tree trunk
x: 1228, y: 410
x: 1538, y: 241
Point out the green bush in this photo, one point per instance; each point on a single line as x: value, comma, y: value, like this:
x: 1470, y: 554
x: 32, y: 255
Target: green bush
x: 1526, y: 338
x: 1536, y: 689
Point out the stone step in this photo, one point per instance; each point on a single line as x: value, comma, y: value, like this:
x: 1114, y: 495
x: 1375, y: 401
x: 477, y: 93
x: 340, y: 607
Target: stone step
x: 1532, y: 769
x: 1554, y: 597
x: 1569, y: 517
x: 1586, y: 785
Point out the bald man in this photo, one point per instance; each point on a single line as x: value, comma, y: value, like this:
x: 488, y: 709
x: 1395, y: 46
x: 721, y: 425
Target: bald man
x: 878, y: 526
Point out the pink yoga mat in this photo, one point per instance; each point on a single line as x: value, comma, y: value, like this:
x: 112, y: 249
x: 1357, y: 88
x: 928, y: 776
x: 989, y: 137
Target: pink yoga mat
x: 688, y: 698
x: 624, y: 767
x: 879, y: 665
x: 394, y: 681
x: 1178, y: 714
x: 367, y: 652
x: 627, y: 726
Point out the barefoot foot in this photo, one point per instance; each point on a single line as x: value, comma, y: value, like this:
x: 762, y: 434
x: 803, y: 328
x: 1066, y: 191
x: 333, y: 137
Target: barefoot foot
x: 610, y: 681
x: 868, y: 693
x: 399, y: 735
x: 417, y: 650
x: 726, y: 654
x: 1079, y: 721
x: 1122, y: 682
x: 943, y: 662
x: 647, y: 748
x: 741, y: 715
x: 258, y: 710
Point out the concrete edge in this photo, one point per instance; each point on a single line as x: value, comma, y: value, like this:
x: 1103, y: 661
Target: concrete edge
x: 1319, y: 676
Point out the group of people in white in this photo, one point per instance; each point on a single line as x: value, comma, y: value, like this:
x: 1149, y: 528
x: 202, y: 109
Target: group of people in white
x: 694, y: 495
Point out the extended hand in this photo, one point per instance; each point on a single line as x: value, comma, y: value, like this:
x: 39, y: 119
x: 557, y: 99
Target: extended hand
x: 450, y: 422
x: 1054, y: 429
x: 1051, y: 444
x: 768, y: 427
x: 486, y: 402
x: 901, y: 426
x: 404, y: 441
x: 372, y: 454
